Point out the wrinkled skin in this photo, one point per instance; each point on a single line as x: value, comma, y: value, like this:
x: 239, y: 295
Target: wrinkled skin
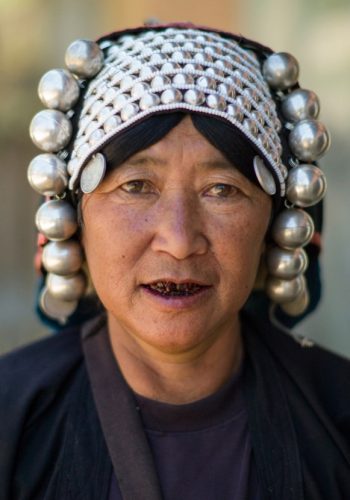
x: 176, y: 211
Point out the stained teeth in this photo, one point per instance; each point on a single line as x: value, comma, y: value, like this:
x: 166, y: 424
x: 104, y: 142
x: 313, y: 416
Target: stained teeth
x: 175, y: 289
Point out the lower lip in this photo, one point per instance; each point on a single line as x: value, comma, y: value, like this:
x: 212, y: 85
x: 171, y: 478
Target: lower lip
x: 172, y: 303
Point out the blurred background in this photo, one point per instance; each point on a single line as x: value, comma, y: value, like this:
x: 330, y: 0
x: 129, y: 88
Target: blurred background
x: 34, y: 35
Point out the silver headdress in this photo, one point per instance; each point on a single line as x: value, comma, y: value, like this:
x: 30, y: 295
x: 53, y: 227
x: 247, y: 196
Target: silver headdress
x: 129, y: 76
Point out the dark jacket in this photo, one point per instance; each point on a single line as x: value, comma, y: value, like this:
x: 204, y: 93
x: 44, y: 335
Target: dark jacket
x: 52, y: 445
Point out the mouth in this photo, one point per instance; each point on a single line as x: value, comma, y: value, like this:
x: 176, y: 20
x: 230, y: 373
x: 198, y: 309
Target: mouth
x: 171, y: 289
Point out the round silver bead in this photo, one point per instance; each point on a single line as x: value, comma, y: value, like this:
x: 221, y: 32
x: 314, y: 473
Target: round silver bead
x: 226, y: 90
x: 309, y: 140
x: 58, y: 89
x: 216, y: 102
x: 170, y: 67
x: 62, y: 257
x: 300, y: 104
x: 306, y: 185
x: 183, y: 79
x: 235, y: 112
x: 194, y: 97
x: 292, y: 228
x: 111, y: 123
x: 66, y: 288
x: 286, y: 264
x: 281, y: 291
x: 56, y: 219
x: 129, y: 111
x: 251, y: 126
x: 281, y: 70
x: 50, y: 130
x: 139, y: 90
x: 84, y: 58
x: 120, y: 101
x: 205, y: 82
x: 149, y: 100
x: 298, y: 305
x: 47, y: 174
x: 126, y: 83
x: 56, y: 309
x: 160, y: 81
x: 170, y: 96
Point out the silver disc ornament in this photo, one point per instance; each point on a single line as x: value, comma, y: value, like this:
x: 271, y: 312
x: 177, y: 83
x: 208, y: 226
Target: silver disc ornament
x: 47, y: 174
x: 62, y: 257
x: 54, y: 308
x: 286, y: 264
x: 281, y: 70
x: 309, y: 140
x: 306, y: 185
x: 57, y: 220
x: 58, y: 89
x: 292, y: 228
x: 93, y: 173
x: 66, y: 288
x: 301, y: 104
x: 264, y: 176
x: 281, y: 291
x: 50, y: 130
x: 84, y: 58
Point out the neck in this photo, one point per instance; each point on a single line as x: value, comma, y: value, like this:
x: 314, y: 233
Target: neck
x: 177, y: 377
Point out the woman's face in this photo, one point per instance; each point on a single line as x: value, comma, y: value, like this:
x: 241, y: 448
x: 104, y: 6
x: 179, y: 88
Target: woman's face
x: 173, y: 239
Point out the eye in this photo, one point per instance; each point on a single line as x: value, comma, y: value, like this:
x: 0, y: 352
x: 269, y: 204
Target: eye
x: 137, y: 187
x: 221, y: 191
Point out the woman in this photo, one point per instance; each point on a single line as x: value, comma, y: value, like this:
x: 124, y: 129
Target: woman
x: 180, y: 160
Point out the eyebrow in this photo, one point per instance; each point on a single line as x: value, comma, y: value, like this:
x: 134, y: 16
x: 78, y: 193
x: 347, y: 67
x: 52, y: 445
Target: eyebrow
x: 210, y: 164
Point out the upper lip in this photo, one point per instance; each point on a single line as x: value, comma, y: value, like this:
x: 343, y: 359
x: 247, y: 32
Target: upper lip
x: 177, y: 281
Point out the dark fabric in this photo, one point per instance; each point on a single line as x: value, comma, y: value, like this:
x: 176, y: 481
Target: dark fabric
x: 52, y: 445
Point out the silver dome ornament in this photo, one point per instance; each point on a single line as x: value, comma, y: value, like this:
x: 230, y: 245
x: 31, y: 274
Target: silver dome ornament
x: 62, y: 257
x: 71, y: 287
x: 93, y: 173
x: 298, y: 305
x: 171, y: 96
x: 286, y: 264
x: 309, y: 140
x: 50, y: 130
x: 306, y: 185
x: 149, y: 100
x: 58, y: 89
x: 264, y: 176
x: 47, y: 174
x: 56, y: 219
x: 281, y: 70
x: 84, y: 58
x: 301, y: 104
x: 194, y: 96
x: 54, y: 308
x: 281, y: 291
x: 292, y: 228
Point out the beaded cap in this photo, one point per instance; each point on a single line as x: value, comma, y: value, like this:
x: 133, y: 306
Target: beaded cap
x: 177, y: 69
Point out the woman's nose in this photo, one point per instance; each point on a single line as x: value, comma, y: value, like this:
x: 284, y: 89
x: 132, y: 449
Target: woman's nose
x: 180, y: 228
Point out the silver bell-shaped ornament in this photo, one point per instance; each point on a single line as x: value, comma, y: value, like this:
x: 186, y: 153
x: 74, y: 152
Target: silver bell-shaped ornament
x: 281, y: 70
x: 56, y: 219
x: 301, y: 104
x: 62, y: 257
x: 47, y: 174
x: 58, y: 89
x: 298, y: 305
x: 286, y: 264
x: 306, y: 185
x: 282, y: 291
x: 84, y: 58
x: 66, y: 288
x: 50, y: 130
x: 54, y: 308
x: 292, y: 228
x: 309, y: 140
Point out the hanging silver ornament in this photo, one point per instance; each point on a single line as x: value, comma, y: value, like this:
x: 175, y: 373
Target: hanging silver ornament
x: 84, y: 58
x: 56, y: 219
x: 62, y: 257
x: 298, y: 305
x: 66, y: 288
x: 264, y: 176
x: 292, y: 228
x: 58, y: 89
x: 306, y: 185
x: 309, y: 140
x: 281, y: 70
x: 286, y: 264
x: 54, y: 308
x: 281, y: 291
x: 47, y: 174
x: 93, y: 173
x: 301, y: 104
x: 50, y: 130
